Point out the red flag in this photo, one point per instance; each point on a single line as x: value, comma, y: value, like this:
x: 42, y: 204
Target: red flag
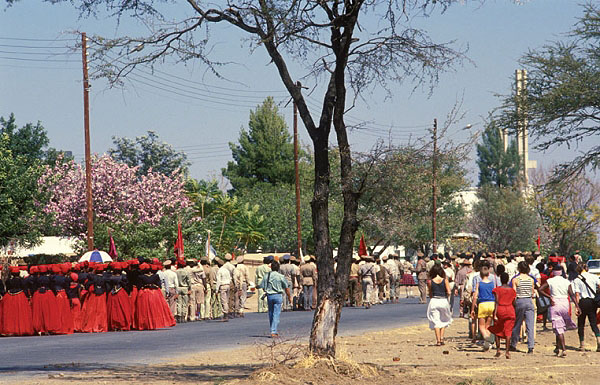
x: 362, y: 248
x: 538, y: 242
x: 112, y: 249
x: 178, y: 248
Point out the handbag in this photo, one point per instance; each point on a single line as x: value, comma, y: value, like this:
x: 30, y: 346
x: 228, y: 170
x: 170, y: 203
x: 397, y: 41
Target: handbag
x: 595, y: 294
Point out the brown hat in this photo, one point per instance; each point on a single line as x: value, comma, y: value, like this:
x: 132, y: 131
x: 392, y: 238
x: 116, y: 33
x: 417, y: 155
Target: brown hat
x: 420, y: 254
x: 240, y: 259
x: 228, y: 257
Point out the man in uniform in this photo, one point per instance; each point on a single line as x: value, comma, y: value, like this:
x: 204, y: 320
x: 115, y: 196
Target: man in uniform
x: 205, y: 309
x: 198, y: 283
x: 308, y: 271
x: 223, y: 285
x: 368, y: 277
x: 173, y: 284
x: 241, y: 280
x: 393, y: 276
x: 215, y: 301
x: 230, y: 264
x: 286, y: 269
x: 261, y: 271
x: 183, y: 291
x: 353, y: 284
x: 296, y: 282
x: 422, y: 277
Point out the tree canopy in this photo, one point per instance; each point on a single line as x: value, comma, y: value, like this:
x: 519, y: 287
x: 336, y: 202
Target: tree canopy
x: 496, y: 166
x: 561, y: 101
x: 265, y: 153
x: 147, y: 153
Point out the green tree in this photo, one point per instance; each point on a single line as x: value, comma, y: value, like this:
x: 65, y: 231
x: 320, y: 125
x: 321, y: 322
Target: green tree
x: 496, y: 166
x: 504, y: 219
x: 265, y: 152
x: 569, y: 211
x: 561, y: 101
x: 19, y: 195
x: 148, y: 152
x: 203, y: 194
x: 249, y: 226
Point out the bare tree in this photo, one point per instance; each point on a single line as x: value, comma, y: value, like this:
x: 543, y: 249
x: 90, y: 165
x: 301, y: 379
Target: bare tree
x: 350, y: 46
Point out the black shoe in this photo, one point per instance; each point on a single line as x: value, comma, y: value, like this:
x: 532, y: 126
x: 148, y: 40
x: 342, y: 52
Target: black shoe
x: 529, y: 351
x: 512, y: 349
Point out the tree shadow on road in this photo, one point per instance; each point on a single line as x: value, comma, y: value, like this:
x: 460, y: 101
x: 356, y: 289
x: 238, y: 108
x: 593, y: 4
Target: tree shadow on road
x: 172, y: 373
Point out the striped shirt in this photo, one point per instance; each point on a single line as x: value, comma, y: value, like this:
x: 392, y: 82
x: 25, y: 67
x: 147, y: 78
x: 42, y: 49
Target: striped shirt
x: 523, y: 285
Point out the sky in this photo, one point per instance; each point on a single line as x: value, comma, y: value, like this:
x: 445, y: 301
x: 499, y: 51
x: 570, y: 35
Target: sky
x: 198, y: 113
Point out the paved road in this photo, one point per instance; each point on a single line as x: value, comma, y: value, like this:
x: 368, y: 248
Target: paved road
x: 31, y: 354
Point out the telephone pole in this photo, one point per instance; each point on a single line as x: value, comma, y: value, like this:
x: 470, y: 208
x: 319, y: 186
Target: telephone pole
x: 434, y: 188
x: 298, y: 223
x: 86, y: 128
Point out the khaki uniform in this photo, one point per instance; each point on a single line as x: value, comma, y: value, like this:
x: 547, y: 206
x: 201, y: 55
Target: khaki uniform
x: 224, y: 283
x: 206, y: 310
x: 354, y: 295
x: 287, y: 269
x: 261, y: 271
x: 308, y: 272
x: 422, y: 277
x: 183, y: 293
x: 241, y: 280
x: 215, y: 302
x: 368, y: 276
x: 198, y: 278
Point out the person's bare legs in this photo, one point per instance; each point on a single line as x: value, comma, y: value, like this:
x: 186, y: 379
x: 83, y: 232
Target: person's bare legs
x: 507, y: 347
x: 442, y: 331
x: 560, y: 343
x: 498, y: 353
x: 438, y: 336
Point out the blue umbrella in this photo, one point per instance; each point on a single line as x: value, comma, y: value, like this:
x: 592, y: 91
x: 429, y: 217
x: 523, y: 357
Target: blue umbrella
x: 96, y: 256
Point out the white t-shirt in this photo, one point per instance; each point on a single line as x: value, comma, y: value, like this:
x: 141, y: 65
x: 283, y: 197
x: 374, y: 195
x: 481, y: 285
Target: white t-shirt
x: 559, y: 287
x: 450, y: 276
x: 592, y: 281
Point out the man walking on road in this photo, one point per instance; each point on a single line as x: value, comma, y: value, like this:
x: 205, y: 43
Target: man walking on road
x: 172, y: 288
x: 241, y: 279
x: 260, y: 273
x: 274, y: 284
x: 222, y: 288
x: 308, y: 271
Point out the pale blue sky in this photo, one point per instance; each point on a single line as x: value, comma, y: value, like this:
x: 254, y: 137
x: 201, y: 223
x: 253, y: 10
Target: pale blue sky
x: 201, y: 120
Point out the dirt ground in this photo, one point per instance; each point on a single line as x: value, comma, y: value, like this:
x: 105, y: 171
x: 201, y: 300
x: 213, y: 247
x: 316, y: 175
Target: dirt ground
x: 402, y: 356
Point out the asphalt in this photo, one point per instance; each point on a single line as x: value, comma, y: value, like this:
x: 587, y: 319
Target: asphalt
x: 39, y: 354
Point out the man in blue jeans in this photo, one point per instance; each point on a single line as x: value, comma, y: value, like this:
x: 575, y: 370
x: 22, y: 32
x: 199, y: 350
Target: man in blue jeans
x: 274, y: 284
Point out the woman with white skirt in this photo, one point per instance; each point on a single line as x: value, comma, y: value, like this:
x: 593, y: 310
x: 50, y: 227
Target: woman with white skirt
x: 438, y: 310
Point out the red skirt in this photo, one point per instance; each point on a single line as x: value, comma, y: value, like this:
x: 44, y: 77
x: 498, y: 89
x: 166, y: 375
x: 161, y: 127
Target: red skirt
x: 132, y: 300
x: 76, y: 314
x: 407, y: 280
x: 15, y: 315
x: 152, y: 311
x: 64, y: 311
x: 45, y: 313
x: 118, y: 308
x: 506, y: 321
x: 94, y: 317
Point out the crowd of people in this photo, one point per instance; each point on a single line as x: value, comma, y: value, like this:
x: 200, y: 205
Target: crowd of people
x: 499, y: 292
x: 83, y: 297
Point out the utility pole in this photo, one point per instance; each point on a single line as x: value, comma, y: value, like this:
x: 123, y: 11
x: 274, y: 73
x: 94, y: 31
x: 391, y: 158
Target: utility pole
x: 433, y: 185
x: 86, y: 128
x: 298, y: 223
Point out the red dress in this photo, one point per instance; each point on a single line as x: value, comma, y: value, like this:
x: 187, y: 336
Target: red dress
x: 94, y: 313
x: 45, y: 312
x: 15, y: 312
x: 118, y: 304
x: 505, y: 312
x: 151, y: 311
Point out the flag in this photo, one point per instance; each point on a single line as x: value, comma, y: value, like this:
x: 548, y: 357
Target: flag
x: 178, y: 248
x: 112, y: 249
x: 211, y: 253
x: 362, y: 247
x: 538, y: 242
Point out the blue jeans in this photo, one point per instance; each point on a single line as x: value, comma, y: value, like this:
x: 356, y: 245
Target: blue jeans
x: 524, y: 310
x: 274, y: 302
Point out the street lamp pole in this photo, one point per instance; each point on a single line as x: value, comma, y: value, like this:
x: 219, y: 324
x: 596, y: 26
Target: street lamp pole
x: 434, y: 187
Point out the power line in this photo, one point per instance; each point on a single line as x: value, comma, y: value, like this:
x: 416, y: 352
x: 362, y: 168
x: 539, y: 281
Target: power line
x: 39, y: 60
x: 31, y: 39
x: 39, y: 53
x: 35, y: 46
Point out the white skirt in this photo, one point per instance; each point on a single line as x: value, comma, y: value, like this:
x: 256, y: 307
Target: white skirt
x: 438, y: 313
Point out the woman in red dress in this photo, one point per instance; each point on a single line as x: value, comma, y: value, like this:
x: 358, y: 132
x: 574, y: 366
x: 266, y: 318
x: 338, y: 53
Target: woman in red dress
x: 15, y: 316
x: 73, y: 293
x: 118, y: 303
x: 151, y: 311
x: 504, y: 313
x: 45, y: 313
x: 94, y: 317
x: 59, y: 284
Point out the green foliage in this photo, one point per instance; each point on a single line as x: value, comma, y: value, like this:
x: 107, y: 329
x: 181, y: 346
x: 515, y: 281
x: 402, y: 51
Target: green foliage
x: 19, y: 212
x: 397, y: 205
x: 561, y: 101
x: 496, y: 166
x: 265, y: 152
x: 504, y: 219
x: 249, y: 226
x: 570, y: 212
x: 203, y: 194
x: 148, y: 152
